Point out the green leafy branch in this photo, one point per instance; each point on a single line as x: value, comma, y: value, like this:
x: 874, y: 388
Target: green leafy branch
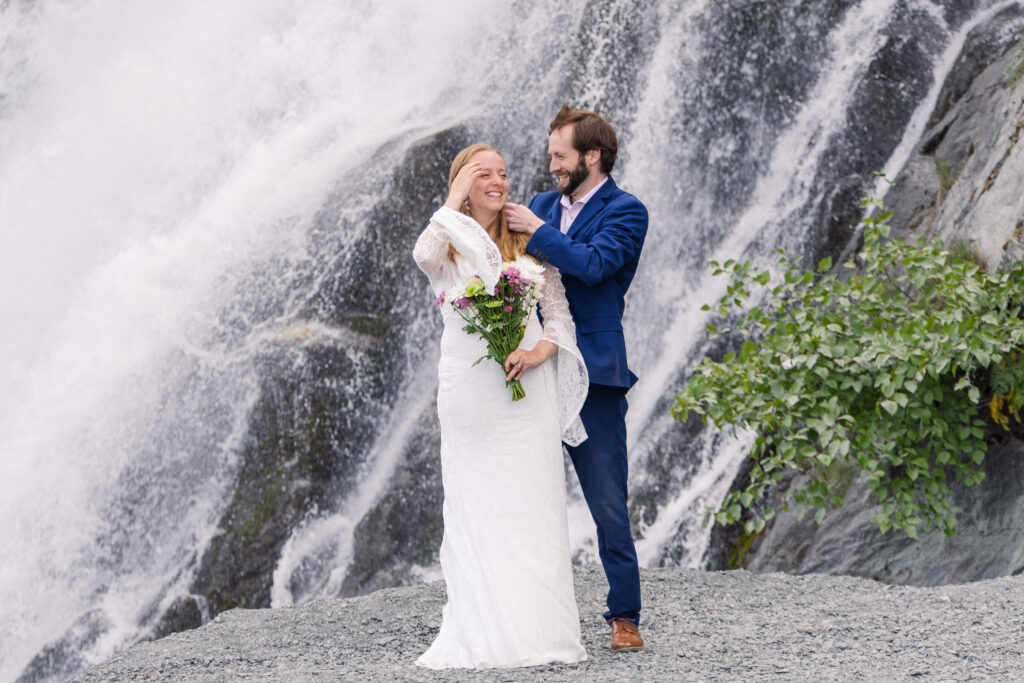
x: 882, y: 372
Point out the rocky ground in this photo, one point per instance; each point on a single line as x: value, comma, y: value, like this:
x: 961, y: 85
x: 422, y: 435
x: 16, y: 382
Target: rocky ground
x: 719, y: 626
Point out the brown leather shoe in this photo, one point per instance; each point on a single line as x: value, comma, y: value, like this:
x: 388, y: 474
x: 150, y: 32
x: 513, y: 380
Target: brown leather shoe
x: 626, y: 636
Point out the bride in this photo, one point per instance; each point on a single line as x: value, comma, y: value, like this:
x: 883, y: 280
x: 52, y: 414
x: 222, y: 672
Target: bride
x: 505, y: 550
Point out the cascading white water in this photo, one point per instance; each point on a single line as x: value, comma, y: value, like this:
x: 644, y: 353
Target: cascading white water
x: 774, y: 215
x: 156, y: 161
x: 779, y: 194
x: 160, y: 170
x: 943, y: 64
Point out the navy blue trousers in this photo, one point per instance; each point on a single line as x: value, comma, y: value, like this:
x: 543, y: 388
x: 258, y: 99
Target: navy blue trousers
x: 601, y: 467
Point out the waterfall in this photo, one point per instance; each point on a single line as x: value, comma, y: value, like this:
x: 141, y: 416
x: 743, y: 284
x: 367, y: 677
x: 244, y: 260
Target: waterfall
x: 179, y: 181
x: 162, y: 167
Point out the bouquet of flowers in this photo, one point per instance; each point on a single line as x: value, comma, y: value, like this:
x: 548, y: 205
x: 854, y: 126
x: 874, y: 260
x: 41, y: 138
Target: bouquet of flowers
x: 499, y: 318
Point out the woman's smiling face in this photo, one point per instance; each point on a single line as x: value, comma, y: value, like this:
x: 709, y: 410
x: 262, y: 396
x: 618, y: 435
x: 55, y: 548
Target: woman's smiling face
x: 490, y: 189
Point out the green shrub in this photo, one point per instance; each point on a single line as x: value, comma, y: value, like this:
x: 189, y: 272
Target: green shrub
x: 962, y: 250
x: 881, y: 372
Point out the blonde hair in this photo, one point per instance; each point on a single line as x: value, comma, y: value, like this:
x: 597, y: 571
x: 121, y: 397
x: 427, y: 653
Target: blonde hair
x: 510, y: 244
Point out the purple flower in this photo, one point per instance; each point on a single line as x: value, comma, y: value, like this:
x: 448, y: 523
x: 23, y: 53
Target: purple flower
x: 461, y: 303
x: 440, y: 299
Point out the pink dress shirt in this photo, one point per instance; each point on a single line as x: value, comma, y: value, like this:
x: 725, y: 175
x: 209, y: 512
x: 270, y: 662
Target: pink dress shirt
x: 572, y: 209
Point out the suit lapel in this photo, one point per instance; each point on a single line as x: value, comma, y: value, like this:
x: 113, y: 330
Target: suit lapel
x: 554, y: 217
x: 594, y: 206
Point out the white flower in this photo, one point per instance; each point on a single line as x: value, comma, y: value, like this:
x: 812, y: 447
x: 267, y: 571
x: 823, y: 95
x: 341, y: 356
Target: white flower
x: 531, y: 270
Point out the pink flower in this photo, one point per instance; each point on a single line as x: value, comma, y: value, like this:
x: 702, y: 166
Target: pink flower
x: 440, y: 299
x: 508, y: 309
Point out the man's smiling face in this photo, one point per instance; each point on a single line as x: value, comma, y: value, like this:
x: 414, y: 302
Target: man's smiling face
x: 567, y: 165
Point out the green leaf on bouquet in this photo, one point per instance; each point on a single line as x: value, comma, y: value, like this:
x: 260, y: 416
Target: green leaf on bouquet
x: 501, y: 330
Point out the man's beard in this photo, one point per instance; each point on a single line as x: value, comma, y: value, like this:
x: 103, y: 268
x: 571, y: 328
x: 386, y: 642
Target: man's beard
x: 576, y: 178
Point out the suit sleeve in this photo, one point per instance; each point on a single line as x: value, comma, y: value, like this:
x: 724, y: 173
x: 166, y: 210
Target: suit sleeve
x: 618, y: 240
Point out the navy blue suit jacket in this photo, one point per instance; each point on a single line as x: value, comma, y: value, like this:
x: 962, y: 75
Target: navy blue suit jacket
x: 597, y: 259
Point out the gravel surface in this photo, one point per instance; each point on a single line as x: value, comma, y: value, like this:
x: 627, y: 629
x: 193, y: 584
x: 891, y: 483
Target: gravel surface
x: 718, y: 626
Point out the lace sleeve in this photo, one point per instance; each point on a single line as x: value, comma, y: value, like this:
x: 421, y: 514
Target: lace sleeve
x: 573, y: 380
x: 472, y: 243
x: 431, y: 254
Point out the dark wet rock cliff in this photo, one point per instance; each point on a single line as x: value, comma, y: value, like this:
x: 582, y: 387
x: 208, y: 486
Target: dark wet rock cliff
x: 964, y: 183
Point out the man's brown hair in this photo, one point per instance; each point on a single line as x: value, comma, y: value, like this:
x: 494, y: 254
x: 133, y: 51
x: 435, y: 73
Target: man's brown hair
x: 589, y: 132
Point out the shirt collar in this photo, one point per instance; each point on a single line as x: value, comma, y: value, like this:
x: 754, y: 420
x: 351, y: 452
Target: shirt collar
x: 567, y: 203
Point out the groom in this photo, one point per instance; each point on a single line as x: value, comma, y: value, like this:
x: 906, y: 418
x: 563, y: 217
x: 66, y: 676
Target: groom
x: 593, y: 232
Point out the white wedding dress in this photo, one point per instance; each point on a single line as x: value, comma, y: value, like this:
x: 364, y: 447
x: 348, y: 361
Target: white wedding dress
x: 505, y: 551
